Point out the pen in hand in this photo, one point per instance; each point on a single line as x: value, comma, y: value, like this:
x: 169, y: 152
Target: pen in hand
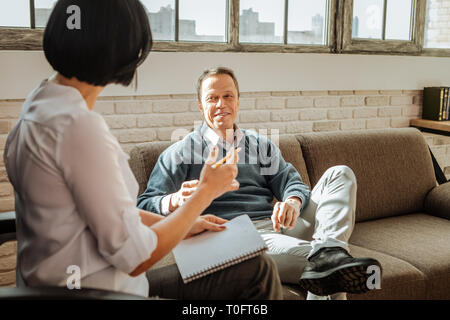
x: 221, y: 162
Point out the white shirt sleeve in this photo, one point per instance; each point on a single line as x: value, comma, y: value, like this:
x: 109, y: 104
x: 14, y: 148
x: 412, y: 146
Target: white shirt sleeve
x: 89, y: 159
x: 165, y: 203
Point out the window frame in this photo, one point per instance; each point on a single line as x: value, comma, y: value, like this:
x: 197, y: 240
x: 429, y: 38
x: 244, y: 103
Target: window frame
x: 414, y: 47
x: 30, y: 39
x: 339, y: 37
x: 432, y: 52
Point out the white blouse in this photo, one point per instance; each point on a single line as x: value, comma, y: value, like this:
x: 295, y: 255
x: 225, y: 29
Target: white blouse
x: 75, y: 197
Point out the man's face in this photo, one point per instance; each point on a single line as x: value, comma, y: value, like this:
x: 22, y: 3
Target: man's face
x: 220, y: 102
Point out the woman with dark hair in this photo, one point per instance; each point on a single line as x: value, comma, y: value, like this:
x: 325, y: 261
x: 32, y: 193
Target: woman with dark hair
x: 75, y: 194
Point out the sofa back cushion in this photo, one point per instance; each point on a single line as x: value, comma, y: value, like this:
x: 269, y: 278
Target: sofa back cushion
x: 143, y: 158
x: 292, y: 153
x: 393, y: 167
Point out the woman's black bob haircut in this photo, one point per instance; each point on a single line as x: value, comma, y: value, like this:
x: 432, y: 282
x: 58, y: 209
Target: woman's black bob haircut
x: 112, y: 40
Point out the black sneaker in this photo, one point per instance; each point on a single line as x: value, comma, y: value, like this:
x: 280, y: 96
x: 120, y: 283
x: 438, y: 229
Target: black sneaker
x: 332, y: 270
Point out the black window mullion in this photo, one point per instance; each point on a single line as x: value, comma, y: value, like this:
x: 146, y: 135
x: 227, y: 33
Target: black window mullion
x: 383, y: 35
x: 233, y: 28
x: 177, y: 19
x: 227, y: 21
x: 413, y: 20
x: 326, y: 33
x: 286, y: 15
x: 32, y: 15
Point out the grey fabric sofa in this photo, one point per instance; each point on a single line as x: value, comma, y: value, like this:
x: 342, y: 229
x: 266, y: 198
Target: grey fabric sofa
x: 402, y: 215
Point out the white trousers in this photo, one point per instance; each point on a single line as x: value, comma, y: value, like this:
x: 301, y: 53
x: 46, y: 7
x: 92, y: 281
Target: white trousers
x: 327, y: 221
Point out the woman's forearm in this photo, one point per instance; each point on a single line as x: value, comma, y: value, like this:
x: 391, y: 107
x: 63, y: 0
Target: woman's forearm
x: 172, y: 229
x: 149, y: 218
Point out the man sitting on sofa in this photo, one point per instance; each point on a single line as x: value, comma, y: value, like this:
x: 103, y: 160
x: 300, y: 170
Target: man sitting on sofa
x: 305, y: 231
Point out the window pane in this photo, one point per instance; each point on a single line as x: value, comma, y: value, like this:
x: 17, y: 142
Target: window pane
x: 42, y: 11
x: 261, y: 21
x: 203, y: 20
x: 161, y: 14
x: 15, y: 13
x: 437, y: 27
x: 367, y: 19
x: 307, y: 21
x: 398, y: 20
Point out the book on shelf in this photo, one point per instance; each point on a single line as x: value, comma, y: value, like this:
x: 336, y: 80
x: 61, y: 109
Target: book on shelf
x: 447, y: 117
x: 445, y: 105
x: 211, y: 251
x: 436, y: 103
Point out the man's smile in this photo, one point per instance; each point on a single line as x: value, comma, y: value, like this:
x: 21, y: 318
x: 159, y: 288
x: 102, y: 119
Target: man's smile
x: 222, y: 114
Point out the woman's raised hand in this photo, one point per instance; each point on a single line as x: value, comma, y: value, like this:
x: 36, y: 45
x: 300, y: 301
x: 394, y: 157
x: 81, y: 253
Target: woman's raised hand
x: 219, y: 177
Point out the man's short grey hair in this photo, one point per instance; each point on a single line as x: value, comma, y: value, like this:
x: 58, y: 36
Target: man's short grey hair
x: 214, y: 72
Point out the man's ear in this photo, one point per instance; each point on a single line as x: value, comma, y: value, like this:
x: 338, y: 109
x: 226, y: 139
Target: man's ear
x: 199, y: 104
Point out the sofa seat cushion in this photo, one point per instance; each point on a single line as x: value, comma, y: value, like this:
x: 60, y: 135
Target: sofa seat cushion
x: 167, y: 260
x: 400, y: 280
x: 419, y: 239
x: 293, y: 292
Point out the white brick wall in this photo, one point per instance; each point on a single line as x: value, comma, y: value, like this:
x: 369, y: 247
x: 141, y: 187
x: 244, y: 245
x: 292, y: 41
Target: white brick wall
x: 270, y: 103
x: 157, y: 118
x: 354, y: 124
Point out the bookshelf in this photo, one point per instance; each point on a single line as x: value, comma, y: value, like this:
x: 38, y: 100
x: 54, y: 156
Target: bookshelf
x: 442, y: 127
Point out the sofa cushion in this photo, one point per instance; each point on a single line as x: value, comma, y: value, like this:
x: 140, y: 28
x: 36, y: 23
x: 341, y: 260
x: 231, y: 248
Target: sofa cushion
x: 419, y: 239
x: 400, y: 280
x: 292, y: 153
x: 393, y: 167
x: 437, y: 202
x: 142, y: 160
x: 293, y: 292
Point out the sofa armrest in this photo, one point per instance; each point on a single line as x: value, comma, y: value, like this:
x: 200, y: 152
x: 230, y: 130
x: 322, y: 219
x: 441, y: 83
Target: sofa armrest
x: 437, y: 201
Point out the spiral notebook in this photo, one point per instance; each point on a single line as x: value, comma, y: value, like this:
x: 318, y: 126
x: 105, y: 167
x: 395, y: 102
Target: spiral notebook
x: 211, y: 251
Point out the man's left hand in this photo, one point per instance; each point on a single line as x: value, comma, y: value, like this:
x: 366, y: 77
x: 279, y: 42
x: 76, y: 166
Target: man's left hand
x: 285, y: 213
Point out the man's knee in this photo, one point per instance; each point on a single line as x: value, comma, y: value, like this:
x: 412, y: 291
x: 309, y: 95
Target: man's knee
x: 343, y: 171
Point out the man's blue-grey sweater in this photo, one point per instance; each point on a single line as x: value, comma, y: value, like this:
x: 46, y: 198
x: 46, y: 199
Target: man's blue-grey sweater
x: 263, y: 174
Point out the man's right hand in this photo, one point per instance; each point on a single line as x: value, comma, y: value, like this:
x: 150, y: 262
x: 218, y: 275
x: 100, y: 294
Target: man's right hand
x: 178, y: 198
x: 216, y: 181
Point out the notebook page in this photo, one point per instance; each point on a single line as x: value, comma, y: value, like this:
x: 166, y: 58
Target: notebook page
x: 209, y: 249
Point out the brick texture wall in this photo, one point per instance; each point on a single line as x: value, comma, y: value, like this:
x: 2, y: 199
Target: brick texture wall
x: 140, y: 119
x: 438, y: 25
